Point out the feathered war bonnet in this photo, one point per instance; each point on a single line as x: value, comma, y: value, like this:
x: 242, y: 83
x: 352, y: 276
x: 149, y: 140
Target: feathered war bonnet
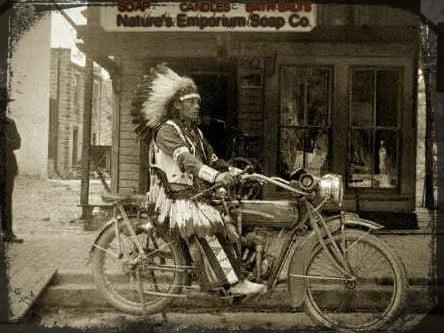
x: 155, y: 94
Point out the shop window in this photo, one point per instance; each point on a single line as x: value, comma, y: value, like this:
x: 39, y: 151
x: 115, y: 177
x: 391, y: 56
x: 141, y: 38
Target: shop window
x: 306, y: 93
x: 375, y: 128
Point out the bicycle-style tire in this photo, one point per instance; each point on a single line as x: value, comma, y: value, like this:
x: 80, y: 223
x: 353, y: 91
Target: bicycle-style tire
x: 121, y: 301
x: 329, y: 315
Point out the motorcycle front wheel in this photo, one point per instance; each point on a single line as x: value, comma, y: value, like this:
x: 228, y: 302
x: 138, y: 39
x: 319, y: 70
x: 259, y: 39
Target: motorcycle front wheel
x: 368, y: 303
x: 133, y: 285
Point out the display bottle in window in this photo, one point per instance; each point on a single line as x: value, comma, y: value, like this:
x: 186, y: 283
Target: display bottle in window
x: 382, y: 158
x: 384, y: 178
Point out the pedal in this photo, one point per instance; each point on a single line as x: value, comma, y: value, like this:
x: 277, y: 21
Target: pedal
x: 233, y: 299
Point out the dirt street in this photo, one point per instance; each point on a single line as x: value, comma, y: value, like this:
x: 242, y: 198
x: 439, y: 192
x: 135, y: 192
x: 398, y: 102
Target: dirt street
x: 40, y: 205
x: 183, y: 322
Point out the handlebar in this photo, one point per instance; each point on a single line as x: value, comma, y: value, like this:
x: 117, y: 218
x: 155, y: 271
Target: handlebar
x: 277, y: 181
x: 247, y: 169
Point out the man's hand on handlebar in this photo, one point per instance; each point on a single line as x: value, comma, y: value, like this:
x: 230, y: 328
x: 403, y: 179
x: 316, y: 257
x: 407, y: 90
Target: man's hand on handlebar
x: 231, y: 177
x: 226, y: 179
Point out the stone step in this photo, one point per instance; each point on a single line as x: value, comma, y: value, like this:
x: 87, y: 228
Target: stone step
x: 77, y: 291
x: 82, y: 276
x: 66, y: 277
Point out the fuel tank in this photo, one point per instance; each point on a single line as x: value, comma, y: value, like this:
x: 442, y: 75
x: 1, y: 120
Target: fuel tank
x: 273, y: 213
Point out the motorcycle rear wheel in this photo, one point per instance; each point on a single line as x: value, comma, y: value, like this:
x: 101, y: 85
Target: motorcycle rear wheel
x: 373, y: 301
x: 125, y: 287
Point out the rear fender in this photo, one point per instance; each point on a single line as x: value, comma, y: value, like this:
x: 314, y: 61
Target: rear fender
x: 110, y: 224
x: 297, y: 287
x: 107, y: 225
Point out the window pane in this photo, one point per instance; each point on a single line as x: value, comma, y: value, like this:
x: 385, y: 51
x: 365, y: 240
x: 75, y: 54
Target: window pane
x: 305, y: 96
x: 316, y: 156
x: 303, y: 148
x: 362, y: 98
x: 387, y: 97
x: 362, y: 157
x: 386, y: 159
x: 292, y: 96
x: 317, y: 85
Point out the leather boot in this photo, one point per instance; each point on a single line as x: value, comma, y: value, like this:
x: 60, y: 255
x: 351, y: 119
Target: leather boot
x: 246, y: 287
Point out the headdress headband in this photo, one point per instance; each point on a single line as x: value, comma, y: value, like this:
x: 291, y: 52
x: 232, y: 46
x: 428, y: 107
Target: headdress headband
x: 189, y: 96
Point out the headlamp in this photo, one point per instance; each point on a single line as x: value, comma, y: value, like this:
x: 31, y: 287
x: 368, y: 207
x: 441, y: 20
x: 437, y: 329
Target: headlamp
x: 331, y: 186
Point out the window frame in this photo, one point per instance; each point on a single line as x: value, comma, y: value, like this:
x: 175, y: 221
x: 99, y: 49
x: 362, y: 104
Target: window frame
x: 327, y: 128
x: 374, y: 128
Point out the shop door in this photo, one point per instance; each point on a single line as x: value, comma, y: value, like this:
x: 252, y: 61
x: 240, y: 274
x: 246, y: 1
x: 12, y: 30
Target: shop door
x: 215, y: 109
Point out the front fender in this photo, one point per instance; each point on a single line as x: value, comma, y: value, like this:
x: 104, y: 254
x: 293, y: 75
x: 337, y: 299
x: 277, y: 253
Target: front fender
x: 297, y: 287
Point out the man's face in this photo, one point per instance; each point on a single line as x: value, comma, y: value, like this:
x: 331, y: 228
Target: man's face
x: 190, y: 108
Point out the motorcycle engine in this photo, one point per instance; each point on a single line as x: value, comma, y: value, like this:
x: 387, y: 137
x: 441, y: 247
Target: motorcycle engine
x: 259, y: 253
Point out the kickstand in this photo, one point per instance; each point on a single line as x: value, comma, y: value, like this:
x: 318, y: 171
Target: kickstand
x: 252, y: 297
x: 232, y: 299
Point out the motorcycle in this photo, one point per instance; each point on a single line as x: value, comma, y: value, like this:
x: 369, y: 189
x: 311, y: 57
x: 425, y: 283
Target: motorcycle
x: 347, y: 278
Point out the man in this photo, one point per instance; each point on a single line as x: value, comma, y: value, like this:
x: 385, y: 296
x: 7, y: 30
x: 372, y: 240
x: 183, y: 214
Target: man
x: 9, y: 141
x: 166, y: 109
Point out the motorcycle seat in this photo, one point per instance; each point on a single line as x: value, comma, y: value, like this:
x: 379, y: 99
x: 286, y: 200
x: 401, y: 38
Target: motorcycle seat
x: 117, y: 197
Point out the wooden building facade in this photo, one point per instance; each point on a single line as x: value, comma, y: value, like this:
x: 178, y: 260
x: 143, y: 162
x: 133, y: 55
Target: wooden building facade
x: 341, y: 98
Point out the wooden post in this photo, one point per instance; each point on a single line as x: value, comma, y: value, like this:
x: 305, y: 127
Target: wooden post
x: 440, y: 60
x: 428, y: 54
x: 86, y: 142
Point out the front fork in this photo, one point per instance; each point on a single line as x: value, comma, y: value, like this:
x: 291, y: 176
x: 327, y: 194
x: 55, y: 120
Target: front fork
x: 337, y: 256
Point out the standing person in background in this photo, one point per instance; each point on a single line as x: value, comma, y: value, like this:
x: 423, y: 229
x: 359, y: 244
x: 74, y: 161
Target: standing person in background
x: 9, y: 141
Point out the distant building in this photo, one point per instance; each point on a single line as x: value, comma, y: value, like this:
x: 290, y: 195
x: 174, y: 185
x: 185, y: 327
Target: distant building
x: 66, y: 116
x: 29, y: 65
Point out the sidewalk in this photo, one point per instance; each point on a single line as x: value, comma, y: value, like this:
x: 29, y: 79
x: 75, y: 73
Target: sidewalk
x: 46, y: 217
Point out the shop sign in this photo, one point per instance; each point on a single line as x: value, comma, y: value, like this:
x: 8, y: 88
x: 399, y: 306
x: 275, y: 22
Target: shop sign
x: 209, y: 16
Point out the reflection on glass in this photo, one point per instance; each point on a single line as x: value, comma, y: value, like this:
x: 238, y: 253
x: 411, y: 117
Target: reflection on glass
x: 292, y: 97
x: 303, y: 148
x: 361, y: 158
x: 362, y: 98
x: 317, y: 82
x: 304, y: 96
x: 387, y: 98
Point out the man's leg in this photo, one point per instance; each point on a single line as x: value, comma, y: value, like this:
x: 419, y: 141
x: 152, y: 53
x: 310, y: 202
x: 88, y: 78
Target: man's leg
x: 7, y: 210
x: 224, y: 253
x: 210, y: 273
x: 9, y: 235
x: 223, y: 257
x: 3, y: 204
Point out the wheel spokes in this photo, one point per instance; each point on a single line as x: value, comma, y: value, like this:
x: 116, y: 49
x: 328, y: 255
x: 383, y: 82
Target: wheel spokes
x: 353, y: 303
x: 135, y: 278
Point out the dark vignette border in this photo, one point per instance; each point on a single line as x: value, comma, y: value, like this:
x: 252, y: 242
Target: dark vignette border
x: 433, y: 321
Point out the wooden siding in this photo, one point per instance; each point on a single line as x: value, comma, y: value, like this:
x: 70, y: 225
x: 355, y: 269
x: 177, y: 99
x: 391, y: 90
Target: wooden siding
x: 129, y: 145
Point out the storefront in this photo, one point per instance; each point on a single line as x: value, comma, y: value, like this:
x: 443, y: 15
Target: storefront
x: 339, y: 97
